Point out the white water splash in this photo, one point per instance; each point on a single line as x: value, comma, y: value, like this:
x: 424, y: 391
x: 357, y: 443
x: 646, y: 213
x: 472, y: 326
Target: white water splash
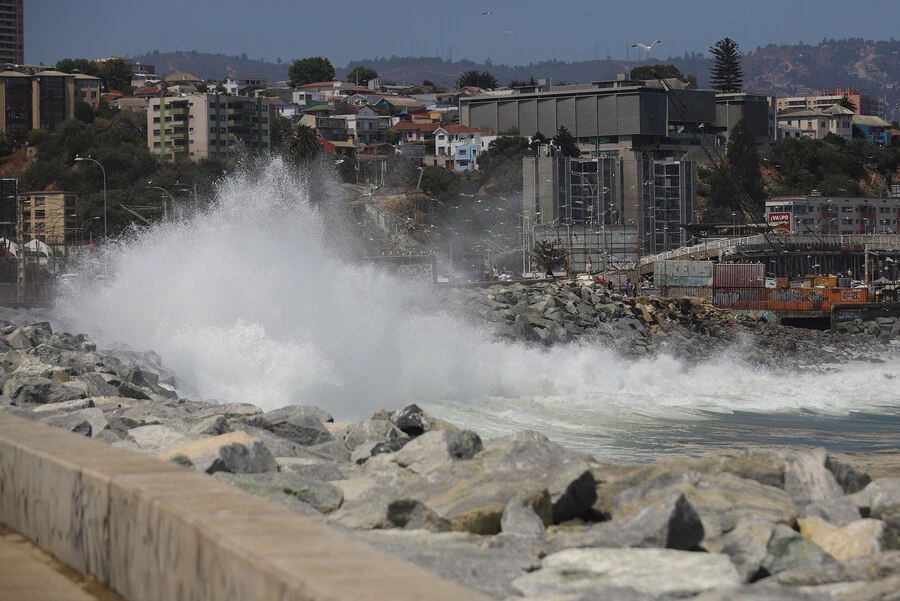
x: 250, y: 302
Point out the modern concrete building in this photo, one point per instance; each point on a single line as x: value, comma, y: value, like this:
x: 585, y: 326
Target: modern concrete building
x: 610, y: 118
x: 12, y: 32
x: 758, y: 110
x: 833, y: 215
x: 606, y: 204
x: 200, y: 126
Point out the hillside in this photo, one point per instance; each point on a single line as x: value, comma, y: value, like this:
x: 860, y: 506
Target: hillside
x: 873, y: 67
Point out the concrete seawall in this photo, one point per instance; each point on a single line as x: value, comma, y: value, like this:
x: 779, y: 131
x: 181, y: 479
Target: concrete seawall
x: 152, y: 530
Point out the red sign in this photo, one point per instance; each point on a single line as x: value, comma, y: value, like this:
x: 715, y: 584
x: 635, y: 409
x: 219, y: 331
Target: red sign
x: 779, y: 221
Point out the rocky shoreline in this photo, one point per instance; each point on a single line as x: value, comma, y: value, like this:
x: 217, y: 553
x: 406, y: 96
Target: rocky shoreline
x: 517, y: 517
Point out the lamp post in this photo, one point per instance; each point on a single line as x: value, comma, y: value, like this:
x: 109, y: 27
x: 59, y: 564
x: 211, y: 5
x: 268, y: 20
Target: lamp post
x: 78, y: 159
x: 167, y: 194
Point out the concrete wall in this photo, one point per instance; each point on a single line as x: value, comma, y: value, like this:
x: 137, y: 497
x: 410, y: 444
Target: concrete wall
x: 152, y: 530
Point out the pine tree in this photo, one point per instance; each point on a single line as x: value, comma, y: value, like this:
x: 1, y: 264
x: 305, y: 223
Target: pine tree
x: 727, y: 74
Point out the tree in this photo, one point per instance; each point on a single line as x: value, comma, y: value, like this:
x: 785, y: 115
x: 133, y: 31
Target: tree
x: 538, y: 140
x: 477, y: 79
x: 361, y: 75
x: 280, y: 130
x: 116, y: 74
x: 847, y: 103
x: 502, y: 162
x: 391, y: 136
x: 303, y: 143
x: 726, y: 74
x: 656, y: 72
x: 566, y: 143
x: 516, y: 83
x: 309, y: 70
x: 548, y: 256
x: 81, y: 65
x: 736, y: 186
x: 84, y: 112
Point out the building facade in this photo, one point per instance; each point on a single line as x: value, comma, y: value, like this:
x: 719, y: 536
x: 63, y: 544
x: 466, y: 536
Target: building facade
x: 817, y: 123
x: 607, y: 204
x: 12, y: 32
x: 200, y: 126
x: 865, y: 104
x: 833, y: 215
x: 42, y: 100
x: 51, y: 217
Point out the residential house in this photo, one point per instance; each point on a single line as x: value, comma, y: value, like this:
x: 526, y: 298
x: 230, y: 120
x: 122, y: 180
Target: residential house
x: 332, y: 127
x: 876, y: 129
x: 448, y: 137
x: 244, y: 86
x: 816, y: 124
x: 415, y: 133
x: 133, y: 105
x: 183, y: 83
x: 284, y: 109
x: 367, y: 125
x: 398, y: 104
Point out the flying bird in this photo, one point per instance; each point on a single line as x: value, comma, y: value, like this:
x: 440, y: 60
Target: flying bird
x: 487, y: 12
x: 509, y: 32
x: 645, y: 46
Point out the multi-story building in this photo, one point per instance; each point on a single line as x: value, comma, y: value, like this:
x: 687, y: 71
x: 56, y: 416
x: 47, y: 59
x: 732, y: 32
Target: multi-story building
x: 833, y: 215
x: 12, y: 32
x: 244, y: 86
x: 200, y: 126
x: 42, y: 100
x: 865, y: 104
x: 51, y: 217
x: 816, y: 123
x: 758, y: 110
x: 610, y: 203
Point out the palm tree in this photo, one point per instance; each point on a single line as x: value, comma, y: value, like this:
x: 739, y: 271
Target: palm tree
x: 548, y: 256
x: 478, y: 79
x: 303, y: 143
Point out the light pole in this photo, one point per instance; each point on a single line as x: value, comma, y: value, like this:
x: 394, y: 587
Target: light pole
x: 166, y: 192
x: 78, y: 159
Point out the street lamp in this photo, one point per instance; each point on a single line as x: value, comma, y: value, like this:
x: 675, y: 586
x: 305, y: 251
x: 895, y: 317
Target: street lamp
x: 78, y: 159
x: 166, y: 192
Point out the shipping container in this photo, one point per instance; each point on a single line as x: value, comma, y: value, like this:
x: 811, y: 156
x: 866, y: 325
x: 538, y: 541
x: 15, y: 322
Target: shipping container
x: 828, y: 281
x: 682, y: 273
x: 782, y: 282
x: 737, y: 275
x: 787, y: 299
x: 704, y: 292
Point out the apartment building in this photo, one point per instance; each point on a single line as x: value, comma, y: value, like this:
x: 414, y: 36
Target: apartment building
x: 833, y: 215
x: 865, y: 104
x: 51, y: 217
x: 200, y: 126
x: 12, y: 32
x: 42, y: 100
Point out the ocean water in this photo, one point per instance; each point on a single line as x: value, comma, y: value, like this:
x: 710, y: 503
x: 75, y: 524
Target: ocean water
x: 254, y: 301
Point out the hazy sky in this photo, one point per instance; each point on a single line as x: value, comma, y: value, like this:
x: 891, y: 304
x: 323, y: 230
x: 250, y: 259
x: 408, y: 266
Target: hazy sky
x: 349, y: 30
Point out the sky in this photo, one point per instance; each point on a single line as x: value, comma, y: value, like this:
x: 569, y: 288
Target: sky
x: 514, y: 33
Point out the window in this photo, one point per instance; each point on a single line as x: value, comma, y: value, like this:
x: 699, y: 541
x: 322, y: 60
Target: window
x: 39, y: 201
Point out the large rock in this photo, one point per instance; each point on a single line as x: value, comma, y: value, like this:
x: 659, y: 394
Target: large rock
x: 290, y: 411
x: 838, y: 511
x: 669, y: 523
x: 856, y: 539
x: 861, y: 569
x: 374, y: 430
x: 156, y: 439
x: 234, y: 452
x: 881, y: 500
x: 720, y: 499
x: 788, y: 550
x: 521, y: 520
x: 747, y: 545
x: 470, y: 495
x: 606, y: 572
x: 41, y: 390
x: 431, y: 451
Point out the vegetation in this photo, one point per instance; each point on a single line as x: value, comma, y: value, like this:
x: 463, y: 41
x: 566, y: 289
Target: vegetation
x: 726, y: 74
x: 310, y: 70
x: 115, y: 73
x: 566, y: 143
x: 548, y: 257
x: 303, y: 143
x: 477, y: 79
x: 501, y: 163
x: 361, y: 75
x: 736, y: 187
x: 530, y: 83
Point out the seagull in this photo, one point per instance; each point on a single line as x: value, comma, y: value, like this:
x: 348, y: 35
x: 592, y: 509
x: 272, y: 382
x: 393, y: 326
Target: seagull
x: 487, y: 12
x: 509, y: 32
x: 645, y: 46
x: 338, y: 162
